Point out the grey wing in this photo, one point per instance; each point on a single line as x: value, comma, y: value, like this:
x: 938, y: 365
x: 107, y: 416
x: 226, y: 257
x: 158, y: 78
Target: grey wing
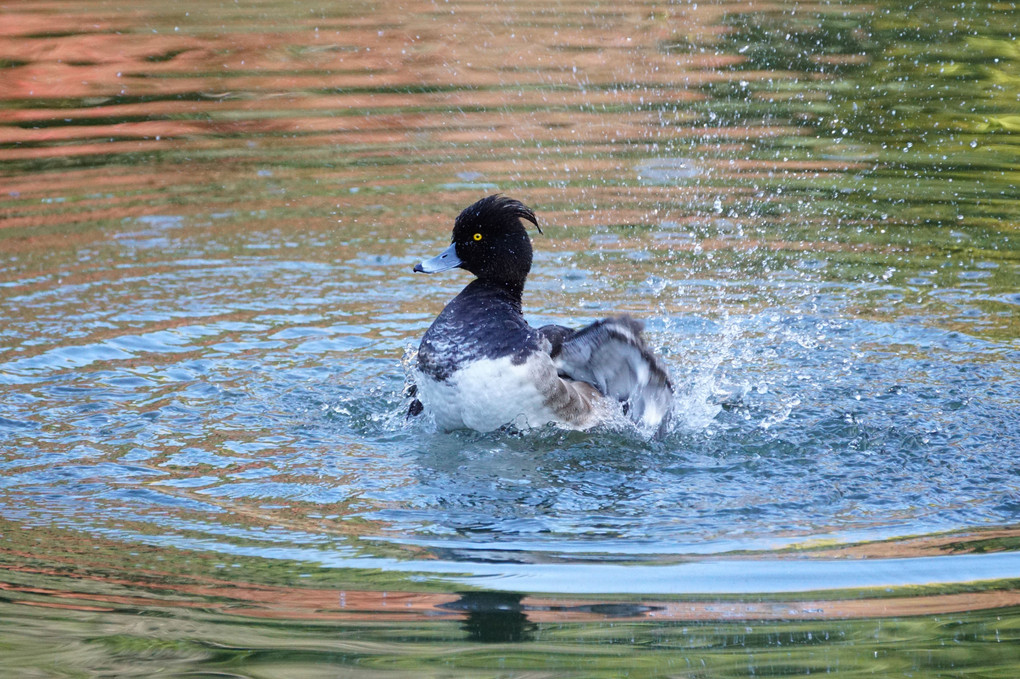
x: 612, y: 356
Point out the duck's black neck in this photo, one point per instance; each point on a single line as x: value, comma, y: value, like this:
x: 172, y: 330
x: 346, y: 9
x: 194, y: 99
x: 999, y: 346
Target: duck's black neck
x: 509, y: 290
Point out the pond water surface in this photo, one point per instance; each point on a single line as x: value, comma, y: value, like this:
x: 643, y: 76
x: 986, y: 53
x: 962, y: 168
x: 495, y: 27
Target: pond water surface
x: 209, y: 216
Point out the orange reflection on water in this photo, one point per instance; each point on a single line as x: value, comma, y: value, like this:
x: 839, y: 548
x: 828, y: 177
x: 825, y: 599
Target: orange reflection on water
x: 234, y: 598
x: 469, y: 76
x: 86, y: 573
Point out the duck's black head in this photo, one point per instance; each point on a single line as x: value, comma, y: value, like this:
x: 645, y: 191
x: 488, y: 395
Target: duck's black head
x: 490, y: 241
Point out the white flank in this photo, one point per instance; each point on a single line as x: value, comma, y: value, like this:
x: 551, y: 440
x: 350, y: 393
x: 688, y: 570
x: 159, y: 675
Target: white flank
x: 489, y: 393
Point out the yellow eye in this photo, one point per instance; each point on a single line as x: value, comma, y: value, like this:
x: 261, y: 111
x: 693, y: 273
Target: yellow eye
x: 478, y: 236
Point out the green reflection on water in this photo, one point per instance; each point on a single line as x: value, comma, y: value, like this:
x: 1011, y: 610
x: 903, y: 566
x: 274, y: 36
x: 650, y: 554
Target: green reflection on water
x: 149, y: 641
x: 71, y: 606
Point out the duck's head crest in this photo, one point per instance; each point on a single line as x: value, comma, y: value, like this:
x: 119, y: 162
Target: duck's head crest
x: 490, y: 241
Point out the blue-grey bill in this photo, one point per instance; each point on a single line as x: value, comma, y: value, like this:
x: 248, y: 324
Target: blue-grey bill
x: 447, y: 259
